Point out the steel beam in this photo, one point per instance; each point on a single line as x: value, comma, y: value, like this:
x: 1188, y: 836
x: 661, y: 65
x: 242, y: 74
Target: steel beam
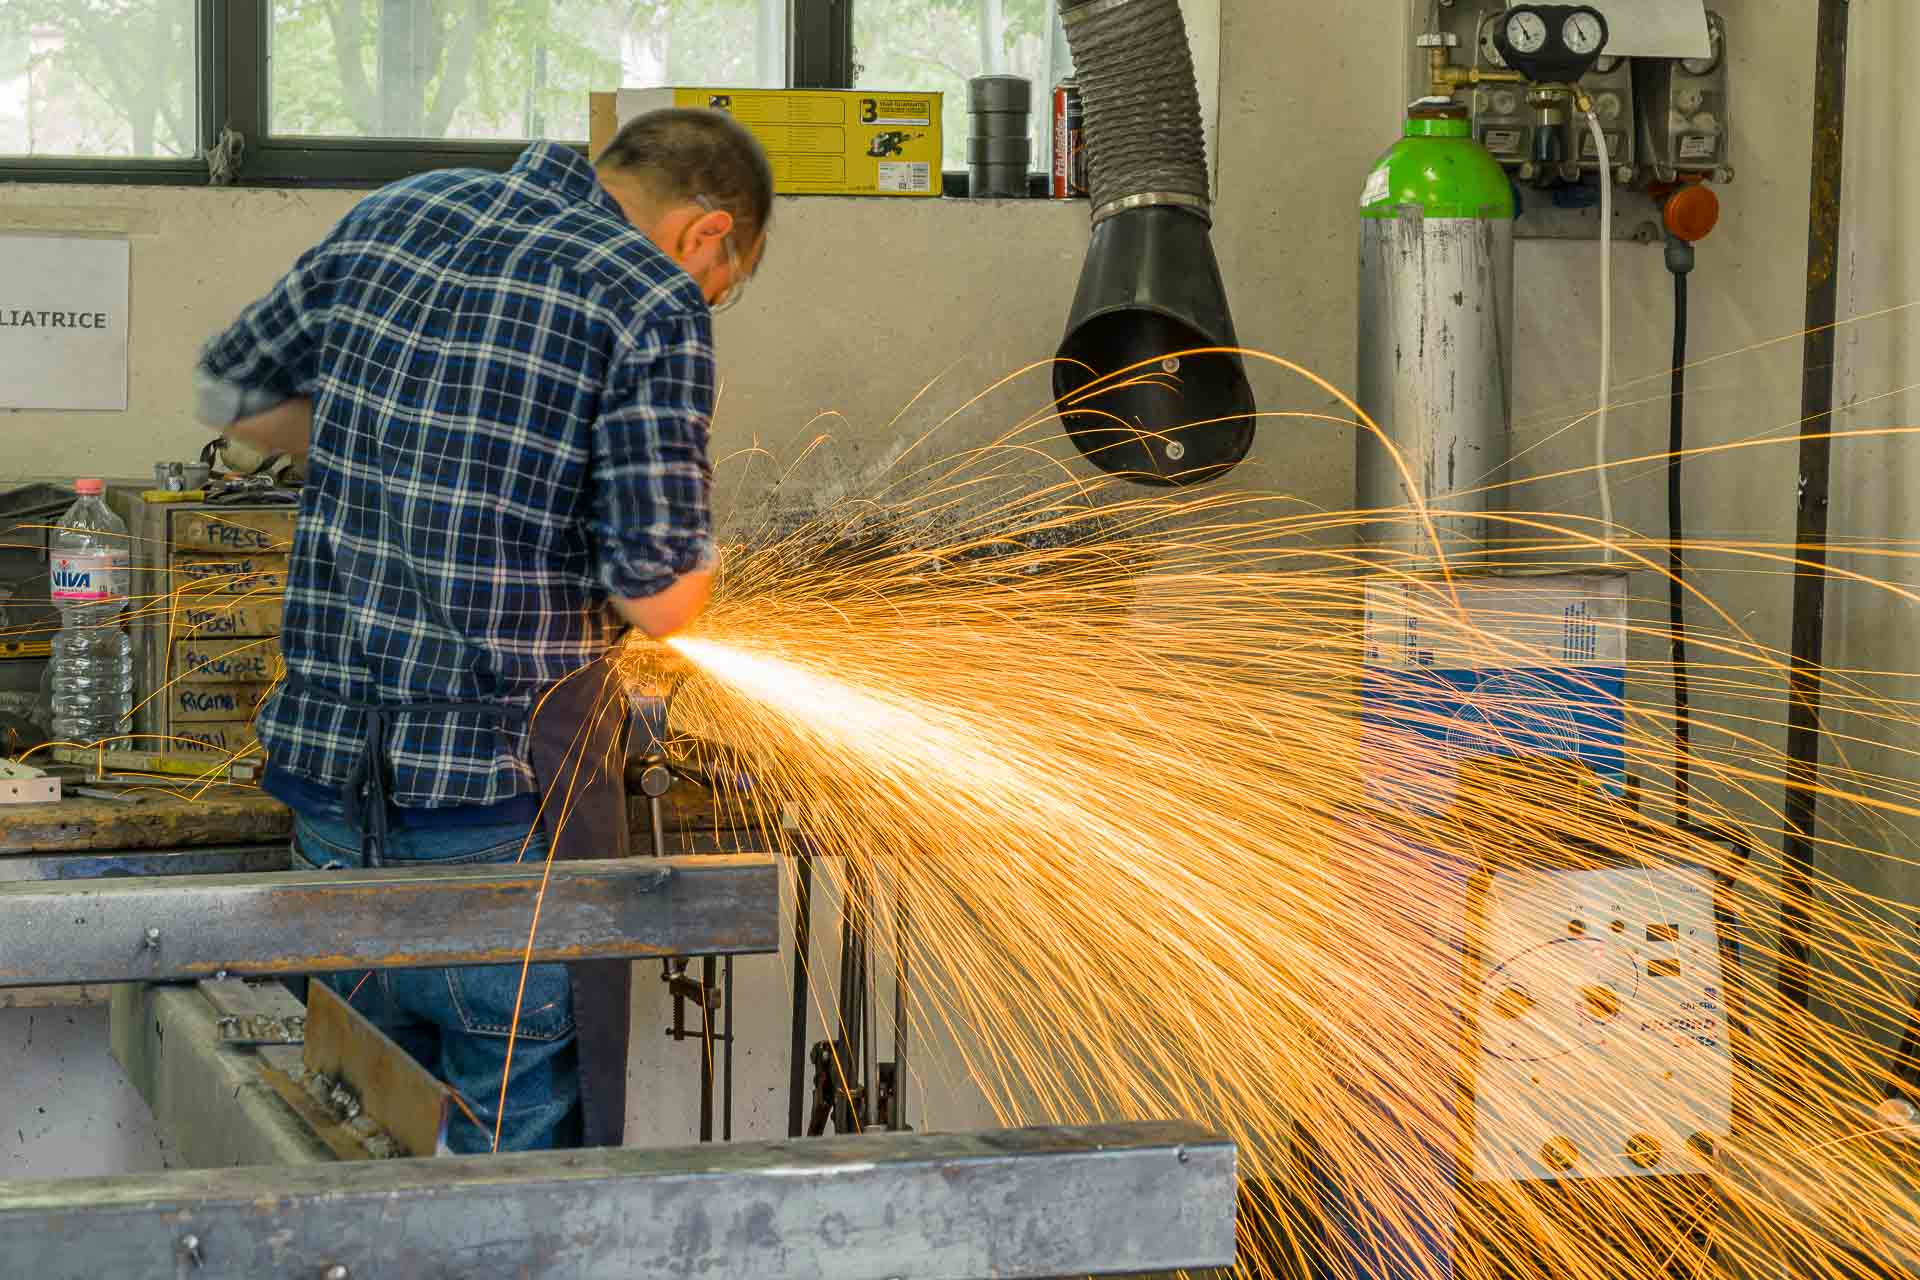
x: 1102, y: 1200
x: 178, y: 927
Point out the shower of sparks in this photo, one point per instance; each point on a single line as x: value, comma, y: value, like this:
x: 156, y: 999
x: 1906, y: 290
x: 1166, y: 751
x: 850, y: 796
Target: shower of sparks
x: 1110, y: 754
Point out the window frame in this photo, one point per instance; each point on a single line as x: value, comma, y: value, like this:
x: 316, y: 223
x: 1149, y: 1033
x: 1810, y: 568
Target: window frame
x: 231, y: 73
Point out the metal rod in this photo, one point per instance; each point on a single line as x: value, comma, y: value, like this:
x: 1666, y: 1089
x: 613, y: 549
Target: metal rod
x: 1816, y: 448
x: 294, y: 922
x: 847, y: 1117
x: 708, y: 973
x: 656, y: 822
x: 1098, y: 1200
x: 899, y: 1113
x: 802, y: 952
x: 726, y: 1048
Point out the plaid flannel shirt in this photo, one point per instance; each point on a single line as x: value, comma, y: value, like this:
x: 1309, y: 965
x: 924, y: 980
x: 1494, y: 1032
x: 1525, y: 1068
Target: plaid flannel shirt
x: 511, y: 394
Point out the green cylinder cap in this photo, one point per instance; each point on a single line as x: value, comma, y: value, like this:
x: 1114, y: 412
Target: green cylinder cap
x: 1439, y: 167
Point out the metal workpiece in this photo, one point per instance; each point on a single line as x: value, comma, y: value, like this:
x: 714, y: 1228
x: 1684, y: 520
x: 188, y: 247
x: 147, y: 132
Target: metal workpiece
x: 297, y: 922
x: 1096, y: 1200
x: 402, y: 1098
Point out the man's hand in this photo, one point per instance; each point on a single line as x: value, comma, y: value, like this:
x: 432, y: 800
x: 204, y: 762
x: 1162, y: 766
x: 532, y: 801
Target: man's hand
x: 285, y: 428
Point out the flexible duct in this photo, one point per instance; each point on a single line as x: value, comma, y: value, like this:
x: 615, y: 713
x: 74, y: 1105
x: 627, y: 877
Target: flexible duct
x: 1140, y: 392
x: 1145, y: 143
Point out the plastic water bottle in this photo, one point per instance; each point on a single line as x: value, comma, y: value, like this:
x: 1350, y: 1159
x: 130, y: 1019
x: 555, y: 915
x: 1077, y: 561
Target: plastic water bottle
x: 92, y: 668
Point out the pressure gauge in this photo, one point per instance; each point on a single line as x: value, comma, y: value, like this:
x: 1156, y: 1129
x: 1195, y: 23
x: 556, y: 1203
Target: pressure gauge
x: 1550, y: 44
x: 1716, y: 38
x: 1526, y: 31
x: 1583, y: 33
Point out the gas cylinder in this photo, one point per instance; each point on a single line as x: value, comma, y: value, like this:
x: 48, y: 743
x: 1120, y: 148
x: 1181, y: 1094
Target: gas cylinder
x: 1436, y: 336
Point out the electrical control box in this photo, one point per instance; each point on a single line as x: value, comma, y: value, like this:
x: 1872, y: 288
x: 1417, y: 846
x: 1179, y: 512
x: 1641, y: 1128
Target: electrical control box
x: 1598, y: 1004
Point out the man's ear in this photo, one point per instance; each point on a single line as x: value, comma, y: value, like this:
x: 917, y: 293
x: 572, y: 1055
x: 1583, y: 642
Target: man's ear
x: 711, y: 225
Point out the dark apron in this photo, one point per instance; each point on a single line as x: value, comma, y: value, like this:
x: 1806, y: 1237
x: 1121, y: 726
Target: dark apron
x: 577, y: 744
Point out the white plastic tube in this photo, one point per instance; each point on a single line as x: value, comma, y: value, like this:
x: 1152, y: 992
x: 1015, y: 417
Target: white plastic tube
x: 1606, y: 328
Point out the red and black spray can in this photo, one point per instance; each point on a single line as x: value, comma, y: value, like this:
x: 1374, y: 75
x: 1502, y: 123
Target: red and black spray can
x: 1069, y: 141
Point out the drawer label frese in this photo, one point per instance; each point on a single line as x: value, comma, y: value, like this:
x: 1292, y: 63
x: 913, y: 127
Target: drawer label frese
x: 235, y: 531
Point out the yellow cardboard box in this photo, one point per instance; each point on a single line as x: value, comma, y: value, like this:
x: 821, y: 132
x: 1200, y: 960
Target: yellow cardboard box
x: 842, y: 142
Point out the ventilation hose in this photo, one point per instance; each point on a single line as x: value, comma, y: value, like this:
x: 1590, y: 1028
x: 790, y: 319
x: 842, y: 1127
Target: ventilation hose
x: 1148, y: 380
x: 1144, y: 138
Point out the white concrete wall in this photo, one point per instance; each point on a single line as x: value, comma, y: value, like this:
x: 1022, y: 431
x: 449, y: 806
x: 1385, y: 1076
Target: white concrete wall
x: 854, y: 295
x: 863, y: 302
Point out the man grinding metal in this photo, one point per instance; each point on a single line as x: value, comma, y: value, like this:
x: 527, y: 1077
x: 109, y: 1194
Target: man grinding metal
x: 502, y: 384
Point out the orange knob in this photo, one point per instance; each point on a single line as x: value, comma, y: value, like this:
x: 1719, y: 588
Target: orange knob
x: 1692, y: 212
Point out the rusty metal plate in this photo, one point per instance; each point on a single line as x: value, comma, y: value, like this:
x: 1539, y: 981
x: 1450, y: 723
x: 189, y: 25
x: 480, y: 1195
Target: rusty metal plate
x: 397, y: 1092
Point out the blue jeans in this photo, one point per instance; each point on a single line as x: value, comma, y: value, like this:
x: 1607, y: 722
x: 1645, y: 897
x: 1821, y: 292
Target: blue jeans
x: 455, y: 1021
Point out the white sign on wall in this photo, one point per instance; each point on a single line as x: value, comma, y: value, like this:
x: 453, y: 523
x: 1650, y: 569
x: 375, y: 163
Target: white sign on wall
x: 63, y: 322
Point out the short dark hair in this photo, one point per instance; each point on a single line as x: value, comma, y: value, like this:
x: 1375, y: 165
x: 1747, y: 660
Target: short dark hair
x: 684, y: 152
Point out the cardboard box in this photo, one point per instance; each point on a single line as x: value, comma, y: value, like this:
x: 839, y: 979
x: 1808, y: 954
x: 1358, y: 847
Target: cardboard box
x: 1527, y: 665
x: 839, y: 142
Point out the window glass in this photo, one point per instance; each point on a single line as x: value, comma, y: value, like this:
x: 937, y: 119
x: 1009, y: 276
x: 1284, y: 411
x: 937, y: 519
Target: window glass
x: 112, y: 79
x: 501, y: 69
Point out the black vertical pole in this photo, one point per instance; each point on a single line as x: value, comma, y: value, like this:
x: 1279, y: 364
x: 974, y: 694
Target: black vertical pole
x: 709, y: 980
x: 1816, y: 448
x: 726, y: 1076
x: 802, y: 947
x: 899, y: 1114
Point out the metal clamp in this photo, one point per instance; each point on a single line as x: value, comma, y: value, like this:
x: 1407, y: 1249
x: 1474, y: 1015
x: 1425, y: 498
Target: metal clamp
x: 1199, y: 205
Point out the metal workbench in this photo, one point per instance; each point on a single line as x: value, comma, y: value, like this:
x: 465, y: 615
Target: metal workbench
x: 94, y: 894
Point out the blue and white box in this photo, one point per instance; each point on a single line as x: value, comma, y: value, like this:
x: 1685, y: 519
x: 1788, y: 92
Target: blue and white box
x: 1508, y: 666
